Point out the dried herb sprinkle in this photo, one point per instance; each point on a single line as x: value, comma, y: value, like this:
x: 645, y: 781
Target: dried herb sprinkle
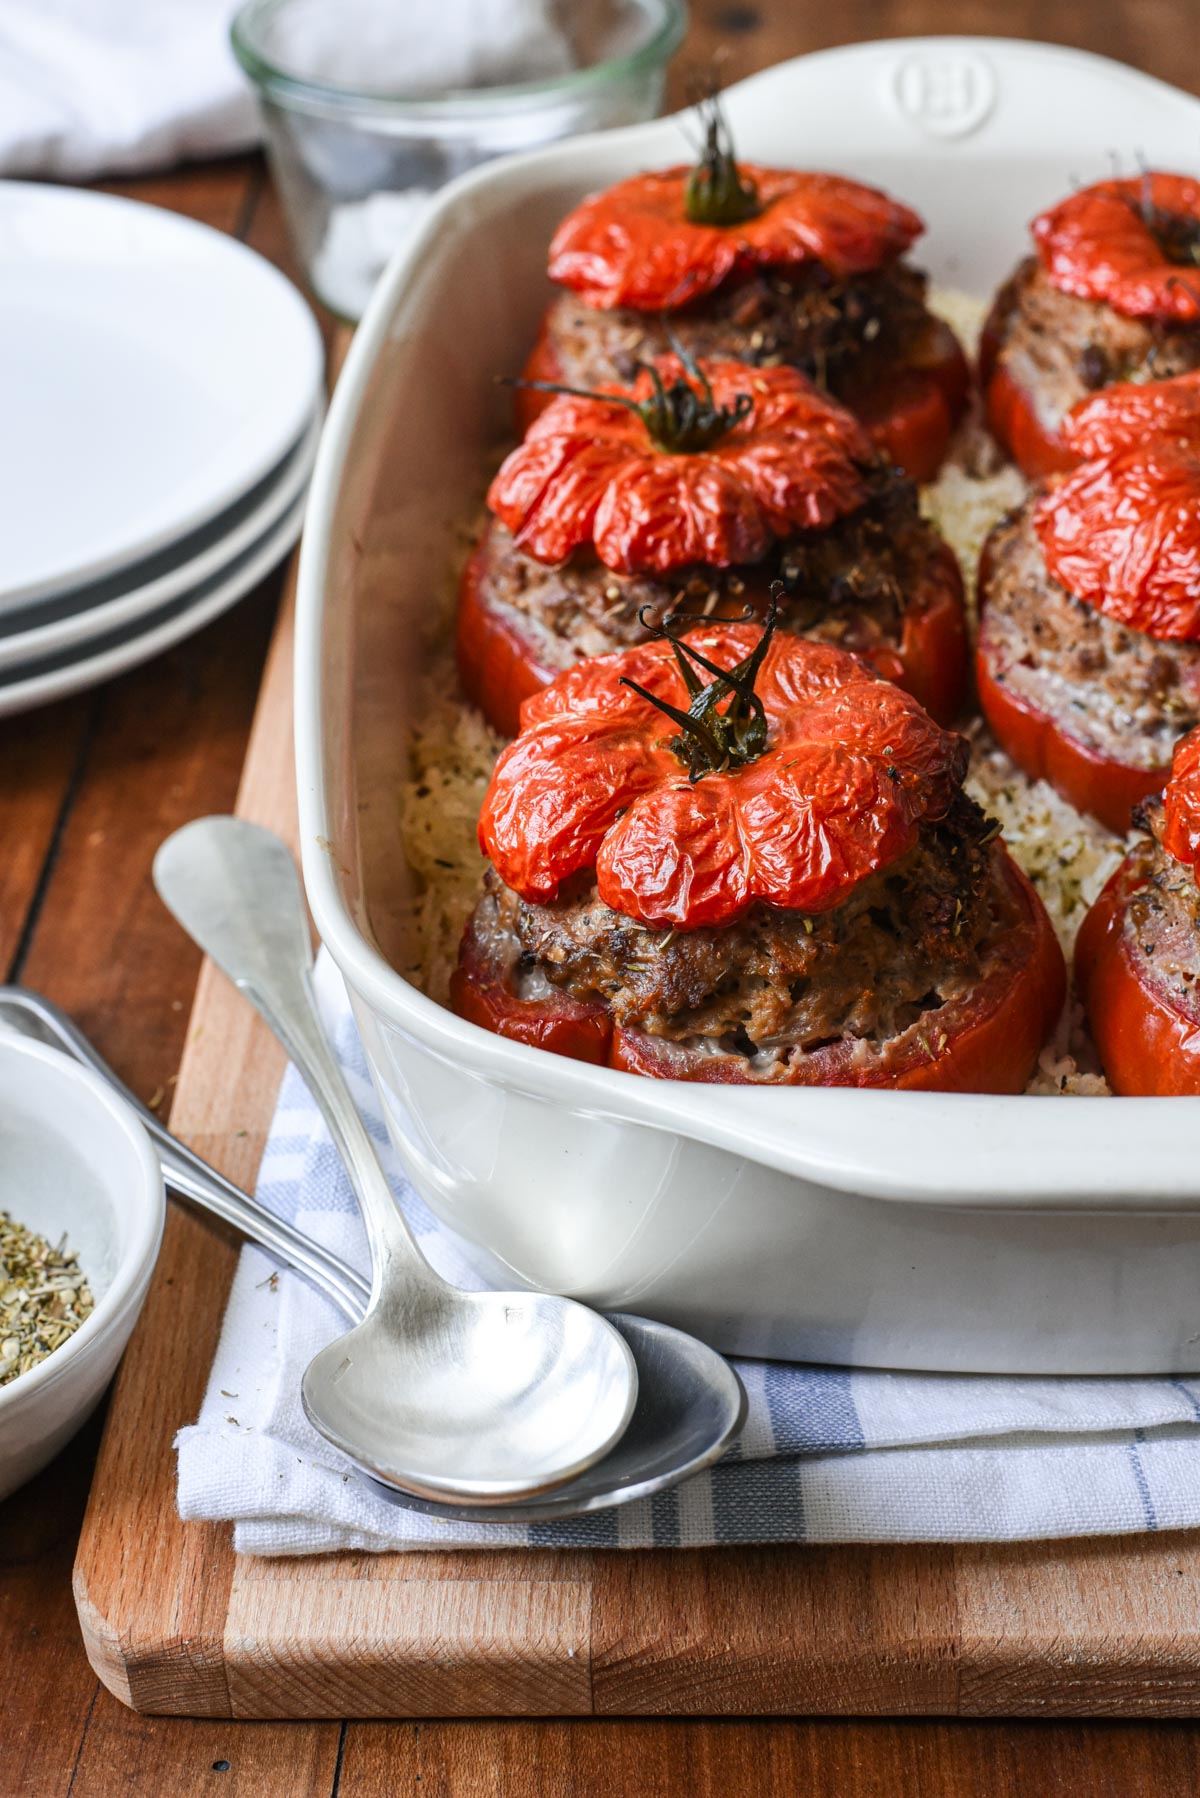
x: 44, y: 1297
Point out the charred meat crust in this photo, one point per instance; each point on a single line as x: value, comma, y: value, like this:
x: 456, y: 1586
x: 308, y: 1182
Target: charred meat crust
x: 1058, y: 348
x: 1125, y: 695
x: 847, y: 585
x: 906, y: 942
x: 1162, y: 915
x: 841, y: 333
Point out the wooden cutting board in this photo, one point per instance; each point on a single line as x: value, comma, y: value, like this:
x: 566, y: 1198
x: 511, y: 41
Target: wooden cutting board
x: 174, y: 1622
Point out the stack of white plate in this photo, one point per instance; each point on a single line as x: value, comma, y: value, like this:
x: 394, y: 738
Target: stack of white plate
x: 160, y: 403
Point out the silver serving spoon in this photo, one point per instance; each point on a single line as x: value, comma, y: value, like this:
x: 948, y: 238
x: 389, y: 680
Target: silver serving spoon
x: 476, y: 1396
x: 690, y: 1403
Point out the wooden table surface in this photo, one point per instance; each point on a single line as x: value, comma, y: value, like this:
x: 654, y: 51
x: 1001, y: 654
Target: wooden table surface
x: 88, y: 789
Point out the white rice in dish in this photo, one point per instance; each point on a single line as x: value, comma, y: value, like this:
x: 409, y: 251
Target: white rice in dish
x: 1067, y: 857
x: 451, y: 755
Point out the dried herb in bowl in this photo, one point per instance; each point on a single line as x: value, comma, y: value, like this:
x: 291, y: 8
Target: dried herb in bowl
x: 44, y: 1297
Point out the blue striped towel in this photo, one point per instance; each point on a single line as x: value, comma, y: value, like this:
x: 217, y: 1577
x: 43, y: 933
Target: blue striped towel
x: 828, y: 1454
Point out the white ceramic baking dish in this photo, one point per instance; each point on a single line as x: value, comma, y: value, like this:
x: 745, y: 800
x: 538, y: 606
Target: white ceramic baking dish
x: 905, y: 1230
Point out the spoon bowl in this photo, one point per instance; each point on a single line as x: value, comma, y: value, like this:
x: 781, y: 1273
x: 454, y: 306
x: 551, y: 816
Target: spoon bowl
x: 690, y: 1407
x: 690, y: 1404
x: 517, y: 1395
x: 483, y: 1396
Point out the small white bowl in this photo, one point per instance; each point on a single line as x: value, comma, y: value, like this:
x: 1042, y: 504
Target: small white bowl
x: 74, y: 1161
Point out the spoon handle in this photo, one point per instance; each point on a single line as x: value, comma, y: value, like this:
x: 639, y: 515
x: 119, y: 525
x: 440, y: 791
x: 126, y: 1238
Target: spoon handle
x: 186, y: 1173
x: 319, y: 1266
x: 234, y: 888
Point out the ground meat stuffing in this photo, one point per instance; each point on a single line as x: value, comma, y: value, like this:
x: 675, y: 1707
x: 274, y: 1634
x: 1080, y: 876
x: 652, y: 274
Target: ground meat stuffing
x: 840, y: 333
x: 1125, y: 695
x: 907, y: 942
x: 1162, y: 919
x: 848, y: 585
x: 1058, y: 349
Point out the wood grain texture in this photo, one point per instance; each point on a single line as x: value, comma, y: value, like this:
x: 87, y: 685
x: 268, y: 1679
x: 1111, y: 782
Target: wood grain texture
x: 58, y: 1732
x: 496, y: 1642
x: 770, y: 1760
x: 49, y: 1688
x: 228, y: 1076
x: 38, y: 758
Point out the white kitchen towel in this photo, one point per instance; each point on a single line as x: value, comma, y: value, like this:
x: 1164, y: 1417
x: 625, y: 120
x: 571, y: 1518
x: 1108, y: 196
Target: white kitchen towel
x: 828, y: 1454
x: 103, y: 87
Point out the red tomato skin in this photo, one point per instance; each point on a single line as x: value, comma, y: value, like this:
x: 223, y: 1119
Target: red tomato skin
x: 930, y: 661
x: 1097, y: 784
x: 480, y: 993
x: 1093, y: 783
x: 910, y: 415
x: 1098, y: 245
x: 1148, y: 1047
x: 543, y: 365
x: 634, y: 245
x: 848, y: 768
x: 1124, y: 414
x: 994, y: 1051
x: 910, y: 421
x: 591, y: 474
x: 499, y: 665
x: 1012, y: 418
x: 1122, y: 533
x: 1181, y: 802
x: 933, y: 642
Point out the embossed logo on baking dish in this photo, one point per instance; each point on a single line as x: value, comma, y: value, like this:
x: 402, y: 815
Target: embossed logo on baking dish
x: 946, y: 95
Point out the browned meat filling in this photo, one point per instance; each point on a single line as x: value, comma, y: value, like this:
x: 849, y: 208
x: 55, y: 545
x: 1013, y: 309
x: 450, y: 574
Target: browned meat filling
x: 841, y: 333
x: 1162, y: 919
x: 847, y: 585
x: 905, y: 943
x: 1059, y: 348
x: 1121, y: 693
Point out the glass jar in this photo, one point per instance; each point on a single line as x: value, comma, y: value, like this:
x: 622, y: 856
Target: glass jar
x: 369, y: 108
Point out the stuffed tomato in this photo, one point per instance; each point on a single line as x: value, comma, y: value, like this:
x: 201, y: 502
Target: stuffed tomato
x: 765, y: 266
x: 1111, y: 294
x: 695, y: 488
x: 1137, y: 956
x: 1088, y: 656
x: 729, y: 854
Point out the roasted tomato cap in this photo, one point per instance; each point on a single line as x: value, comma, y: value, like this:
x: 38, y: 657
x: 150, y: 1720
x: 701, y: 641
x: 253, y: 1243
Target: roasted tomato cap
x: 1181, y: 802
x: 1130, y: 244
x: 909, y: 410
x: 634, y: 245
x: 1124, y: 415
x: 849, y: 768
x: 590, y: 471
x: 1122, y: 533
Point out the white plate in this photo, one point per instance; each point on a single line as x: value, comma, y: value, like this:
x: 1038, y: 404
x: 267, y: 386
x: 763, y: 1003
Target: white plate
x: 80, y: 628
x: 895, y: 1229
x: 180, y: 618
x: 64, y: 602
x: 155, y: 370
